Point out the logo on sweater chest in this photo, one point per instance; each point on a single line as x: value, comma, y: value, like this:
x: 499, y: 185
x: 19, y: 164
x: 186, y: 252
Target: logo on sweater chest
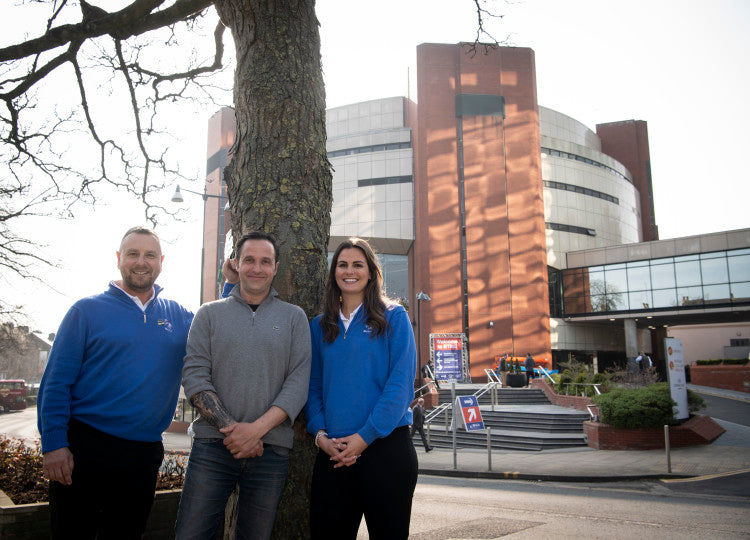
x: 165, y: 323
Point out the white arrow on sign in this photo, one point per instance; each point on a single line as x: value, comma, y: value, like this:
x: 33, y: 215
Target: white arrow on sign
x: 472, y: 414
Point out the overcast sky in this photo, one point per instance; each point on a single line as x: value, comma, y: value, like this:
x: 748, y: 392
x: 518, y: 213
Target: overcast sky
x: 683, y: 66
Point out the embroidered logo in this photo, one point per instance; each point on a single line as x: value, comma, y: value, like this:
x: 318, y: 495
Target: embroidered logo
x: 367, y: 329
x: 275, y: 327
x: 165, y: 323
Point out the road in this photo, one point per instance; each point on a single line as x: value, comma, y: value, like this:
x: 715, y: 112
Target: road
x: 462, y: 508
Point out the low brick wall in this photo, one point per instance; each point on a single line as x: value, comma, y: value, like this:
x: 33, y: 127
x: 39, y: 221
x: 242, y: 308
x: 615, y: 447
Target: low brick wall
x: 31, y: 521
x: 562, y: 400
x: 699, y: 429
x: 727, y: 377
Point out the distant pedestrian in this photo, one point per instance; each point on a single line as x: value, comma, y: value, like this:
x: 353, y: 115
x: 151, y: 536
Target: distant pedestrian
x: 529, y: 364
x: 639, y: 361
x: 418, y: 423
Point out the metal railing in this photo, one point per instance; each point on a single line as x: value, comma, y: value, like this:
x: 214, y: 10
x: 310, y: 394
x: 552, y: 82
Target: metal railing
x: 492, y: 376
x: 583, y: 391
x: 546, y: 373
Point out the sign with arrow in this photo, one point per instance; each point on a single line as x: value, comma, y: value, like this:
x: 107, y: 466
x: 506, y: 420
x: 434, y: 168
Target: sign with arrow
x: 448, y: 354
x: 470, y: 413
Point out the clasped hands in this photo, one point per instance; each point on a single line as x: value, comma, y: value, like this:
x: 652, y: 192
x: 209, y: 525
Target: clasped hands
x: 343, y: 450
x: 243, y: 440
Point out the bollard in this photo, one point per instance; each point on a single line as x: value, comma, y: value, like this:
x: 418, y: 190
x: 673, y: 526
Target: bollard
x: 489, y: 448
x: 666, y: 448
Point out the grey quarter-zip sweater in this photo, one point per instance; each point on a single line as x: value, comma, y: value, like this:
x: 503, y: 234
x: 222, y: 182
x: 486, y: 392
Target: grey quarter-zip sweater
x: 251, y: 359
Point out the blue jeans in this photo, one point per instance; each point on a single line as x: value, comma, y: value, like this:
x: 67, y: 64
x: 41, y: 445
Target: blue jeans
x: 211, y: 476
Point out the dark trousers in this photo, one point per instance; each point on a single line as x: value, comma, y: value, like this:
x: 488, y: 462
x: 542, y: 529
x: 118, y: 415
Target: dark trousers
x: 421, y: 434
x: 113, y: 486
x: 380, y: 486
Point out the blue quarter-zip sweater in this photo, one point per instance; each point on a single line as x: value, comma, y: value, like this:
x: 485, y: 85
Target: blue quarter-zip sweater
x: 114, y: 367
x: 360, y: 383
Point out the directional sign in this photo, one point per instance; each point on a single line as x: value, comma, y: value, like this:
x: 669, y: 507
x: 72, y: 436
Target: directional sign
x: 448, y: 353
x: 470, y: 412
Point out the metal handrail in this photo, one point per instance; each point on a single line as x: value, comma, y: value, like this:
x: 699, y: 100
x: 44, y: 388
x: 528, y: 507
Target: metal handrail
x: 492, y: 376
x: 546, y: 373
x: 434, y: 413
x: 569, y: 384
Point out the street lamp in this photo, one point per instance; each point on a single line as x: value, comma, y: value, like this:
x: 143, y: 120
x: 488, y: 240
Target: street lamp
x: 421, y: 297
x: 178, y: 198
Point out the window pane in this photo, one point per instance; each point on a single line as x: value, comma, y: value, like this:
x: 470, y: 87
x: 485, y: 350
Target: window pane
x: 596, y: 283
x: 395, y: 275
x: 662, y: 276
x: 739, y: 268
x: 688, y: 273
x: 716, y: 293
x: 640, y: 300
x: 690, y: 296
x: 639, y: 279
x: 599, y: 303
x: 616, y: 301
x: 616, y: 280
x: 664, y: 298
x: 714, y: 271
x: 740, y: 292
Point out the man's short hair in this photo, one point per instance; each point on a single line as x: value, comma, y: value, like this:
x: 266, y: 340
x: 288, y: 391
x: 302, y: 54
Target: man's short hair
x: 139, y: 229
x: 257, y: 235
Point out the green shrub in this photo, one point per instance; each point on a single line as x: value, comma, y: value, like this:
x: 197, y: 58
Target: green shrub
x: 637, y: 407
x: 711, y: 362
x: 735, y: 361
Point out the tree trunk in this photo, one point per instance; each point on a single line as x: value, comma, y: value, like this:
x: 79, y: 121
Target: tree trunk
x: 279, y: 178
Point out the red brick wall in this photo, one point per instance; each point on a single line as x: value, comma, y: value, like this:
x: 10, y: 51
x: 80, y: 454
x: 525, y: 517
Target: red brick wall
x: 727, y: 377
x: 699, y: 429
x: 561, y: 400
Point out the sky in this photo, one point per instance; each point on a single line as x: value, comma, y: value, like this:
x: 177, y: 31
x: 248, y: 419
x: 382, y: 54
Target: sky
x: 683, y: 66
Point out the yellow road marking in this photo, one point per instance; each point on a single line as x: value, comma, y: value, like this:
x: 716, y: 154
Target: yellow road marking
x: 705, y: 477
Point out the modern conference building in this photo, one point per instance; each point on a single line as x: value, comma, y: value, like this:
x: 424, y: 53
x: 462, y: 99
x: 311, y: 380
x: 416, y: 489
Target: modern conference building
x: 529, y: 232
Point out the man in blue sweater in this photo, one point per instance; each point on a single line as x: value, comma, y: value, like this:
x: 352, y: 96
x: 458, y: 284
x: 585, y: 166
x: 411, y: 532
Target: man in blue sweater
x: 109, y: 391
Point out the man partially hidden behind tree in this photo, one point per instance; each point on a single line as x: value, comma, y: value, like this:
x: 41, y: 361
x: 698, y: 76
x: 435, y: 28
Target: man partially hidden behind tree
x: 109, y: 391
x: 247, y: 371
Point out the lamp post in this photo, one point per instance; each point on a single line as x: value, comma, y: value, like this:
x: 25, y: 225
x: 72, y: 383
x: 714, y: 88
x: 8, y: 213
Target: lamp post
x: 421, y: 297
x: 178, y: 198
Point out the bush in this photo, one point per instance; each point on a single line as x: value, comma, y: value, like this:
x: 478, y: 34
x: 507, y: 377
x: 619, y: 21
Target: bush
x: 711, y: 362
x: 636, y: 407
x: 21, y: 474
x: 735, y: 361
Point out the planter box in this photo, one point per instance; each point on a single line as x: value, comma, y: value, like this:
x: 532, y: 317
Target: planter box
x: 727, y: 377
x: 31, y: 521
x: 516, y: 380
x: 699, y: 429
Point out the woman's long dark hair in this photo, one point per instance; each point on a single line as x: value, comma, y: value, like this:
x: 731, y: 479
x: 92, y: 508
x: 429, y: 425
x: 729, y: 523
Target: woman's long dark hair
x: 374, y: 302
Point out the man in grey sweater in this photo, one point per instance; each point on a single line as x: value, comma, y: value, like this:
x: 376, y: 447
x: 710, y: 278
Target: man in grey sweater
x: 247, y: 372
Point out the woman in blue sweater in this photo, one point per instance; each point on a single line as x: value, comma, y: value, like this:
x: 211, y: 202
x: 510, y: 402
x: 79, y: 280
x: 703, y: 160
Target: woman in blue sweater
x: 361, y: 386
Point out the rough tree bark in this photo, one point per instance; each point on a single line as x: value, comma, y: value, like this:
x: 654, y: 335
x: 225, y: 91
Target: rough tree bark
x: 279, y: 178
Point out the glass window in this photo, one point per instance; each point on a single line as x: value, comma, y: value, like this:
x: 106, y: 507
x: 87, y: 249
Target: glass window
x: 714, y: 271
x: 739, y: 268
x: 640, y: 300
x: 616, y: 280
x: 395, y: 275
x: 664, y: 298
x: 716, y: 293
x: 690, y: 296
x: 662, y: 276
x: 740, y: 292
x: 688, y: 273
x: 599, y: 303
x: 639, y: 278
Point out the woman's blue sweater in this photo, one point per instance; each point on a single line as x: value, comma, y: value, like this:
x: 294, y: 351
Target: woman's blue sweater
x: 362, y: 383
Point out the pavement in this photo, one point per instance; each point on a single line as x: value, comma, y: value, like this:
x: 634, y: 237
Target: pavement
x: 728, y: 454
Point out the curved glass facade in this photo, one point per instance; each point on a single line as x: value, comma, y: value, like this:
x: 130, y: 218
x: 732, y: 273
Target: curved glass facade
x: 688, y: 281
